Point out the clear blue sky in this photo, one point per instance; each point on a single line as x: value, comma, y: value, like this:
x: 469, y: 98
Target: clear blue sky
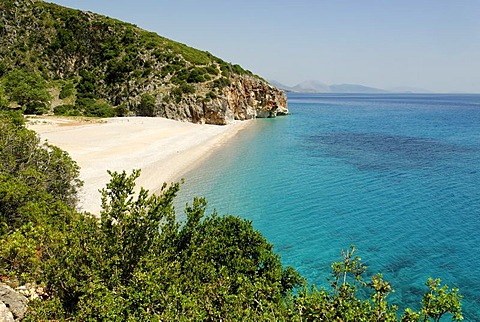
x: 432, y: 44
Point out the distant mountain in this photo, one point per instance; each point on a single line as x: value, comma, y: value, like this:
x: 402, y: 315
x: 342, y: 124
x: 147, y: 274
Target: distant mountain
x: 280, y: 86
x: 314, y: 86
x: 353, y: 88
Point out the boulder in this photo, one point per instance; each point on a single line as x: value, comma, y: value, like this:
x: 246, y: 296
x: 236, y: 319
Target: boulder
x: 14, y: 301
x: 5, y: 314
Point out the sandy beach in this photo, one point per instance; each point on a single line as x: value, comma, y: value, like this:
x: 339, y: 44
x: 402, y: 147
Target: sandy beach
x: 163, y: 149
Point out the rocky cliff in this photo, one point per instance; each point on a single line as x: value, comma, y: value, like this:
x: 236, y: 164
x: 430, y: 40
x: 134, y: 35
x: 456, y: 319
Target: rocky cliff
x: 245, y: 98
x: 80, y: 63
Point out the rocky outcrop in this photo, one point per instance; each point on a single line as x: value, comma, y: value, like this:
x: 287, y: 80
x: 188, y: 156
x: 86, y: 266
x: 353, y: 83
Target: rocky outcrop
x: 245, y: 98
x: 5, y: 314
x: 14, y: 304
x: 250, y: 97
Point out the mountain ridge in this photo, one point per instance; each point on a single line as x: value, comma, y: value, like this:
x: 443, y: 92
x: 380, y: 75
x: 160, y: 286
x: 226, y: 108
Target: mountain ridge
x: 314, y: 86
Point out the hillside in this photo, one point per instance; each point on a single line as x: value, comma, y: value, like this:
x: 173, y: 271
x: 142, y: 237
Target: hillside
x: 65, y: 61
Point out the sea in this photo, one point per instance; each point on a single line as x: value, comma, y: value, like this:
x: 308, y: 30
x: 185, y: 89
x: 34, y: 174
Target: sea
x: 396, y: 175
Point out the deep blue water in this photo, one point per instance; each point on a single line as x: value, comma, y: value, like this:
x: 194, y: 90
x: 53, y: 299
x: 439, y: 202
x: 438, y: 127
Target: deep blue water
x: 396, y: 175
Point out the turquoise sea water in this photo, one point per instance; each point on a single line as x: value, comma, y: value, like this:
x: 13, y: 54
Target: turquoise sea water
x: 396, y: 175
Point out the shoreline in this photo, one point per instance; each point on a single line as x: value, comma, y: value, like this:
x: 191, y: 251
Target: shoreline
x: 163, y: 149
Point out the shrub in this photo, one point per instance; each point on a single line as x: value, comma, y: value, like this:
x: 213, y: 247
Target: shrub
x: 19, y: 253
x: 3, y: 68
x: 212, y: 70
x: 66, y: 109
x: 37, y: 108
x: 32, y: 175
x: 67, y: 91
x: 146, y: 106
x: 211, y: 95
x: 187, y: 88
x: 87, y: 86
x: 138, y: 263
x: 220, y: 83
x: 99, y: 109
x: 122, y: 110
x: 196, y: 76
x: 28, y: 89
x: 177, y: 93
x: 3, y: 101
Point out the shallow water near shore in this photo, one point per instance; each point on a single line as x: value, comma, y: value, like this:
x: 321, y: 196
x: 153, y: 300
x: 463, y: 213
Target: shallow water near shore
x: 396, y: 175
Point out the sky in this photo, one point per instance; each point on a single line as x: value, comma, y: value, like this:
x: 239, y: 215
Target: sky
x: 427, y: 44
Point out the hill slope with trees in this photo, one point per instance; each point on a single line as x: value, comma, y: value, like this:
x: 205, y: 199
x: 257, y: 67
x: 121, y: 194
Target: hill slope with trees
x: 71, y: 62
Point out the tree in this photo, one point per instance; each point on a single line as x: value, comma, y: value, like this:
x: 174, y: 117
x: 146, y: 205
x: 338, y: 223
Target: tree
x: 3, y: 101
x: 98, y: 108
x: 209, y: 268
x: 342, y: 302
x: 29, y: 90
x: 66, y: 91
x: 146, y: 106
x: 438, y: 301
x: 31, y: 173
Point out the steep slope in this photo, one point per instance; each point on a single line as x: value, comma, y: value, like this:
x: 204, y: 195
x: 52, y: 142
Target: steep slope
x: 74, y: 62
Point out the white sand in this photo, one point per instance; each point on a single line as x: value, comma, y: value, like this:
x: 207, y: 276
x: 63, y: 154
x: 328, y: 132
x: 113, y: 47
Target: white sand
x: 163, y: 149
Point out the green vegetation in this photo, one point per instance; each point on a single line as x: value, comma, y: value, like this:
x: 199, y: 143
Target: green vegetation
x: 146, y: 106
x: 31, y: 174
x: 343, y: 302
x: 66, y: 109
x: 98, y: 108
x: 136, y: 262
x: 89, y: 58
x: 27, y: 89
x: 3, y: 101
x: 67, y: 90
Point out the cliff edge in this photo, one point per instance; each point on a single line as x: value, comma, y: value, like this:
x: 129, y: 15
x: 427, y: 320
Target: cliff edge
x: 245, y: 98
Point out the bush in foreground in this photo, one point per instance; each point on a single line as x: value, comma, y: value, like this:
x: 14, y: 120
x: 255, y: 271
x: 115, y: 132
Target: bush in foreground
x: 138, y: 263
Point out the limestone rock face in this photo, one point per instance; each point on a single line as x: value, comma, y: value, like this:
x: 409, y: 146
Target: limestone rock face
x: 5, y: 314
x: 245, y: 98
x: 250, y: 97
x: 14, y: 301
